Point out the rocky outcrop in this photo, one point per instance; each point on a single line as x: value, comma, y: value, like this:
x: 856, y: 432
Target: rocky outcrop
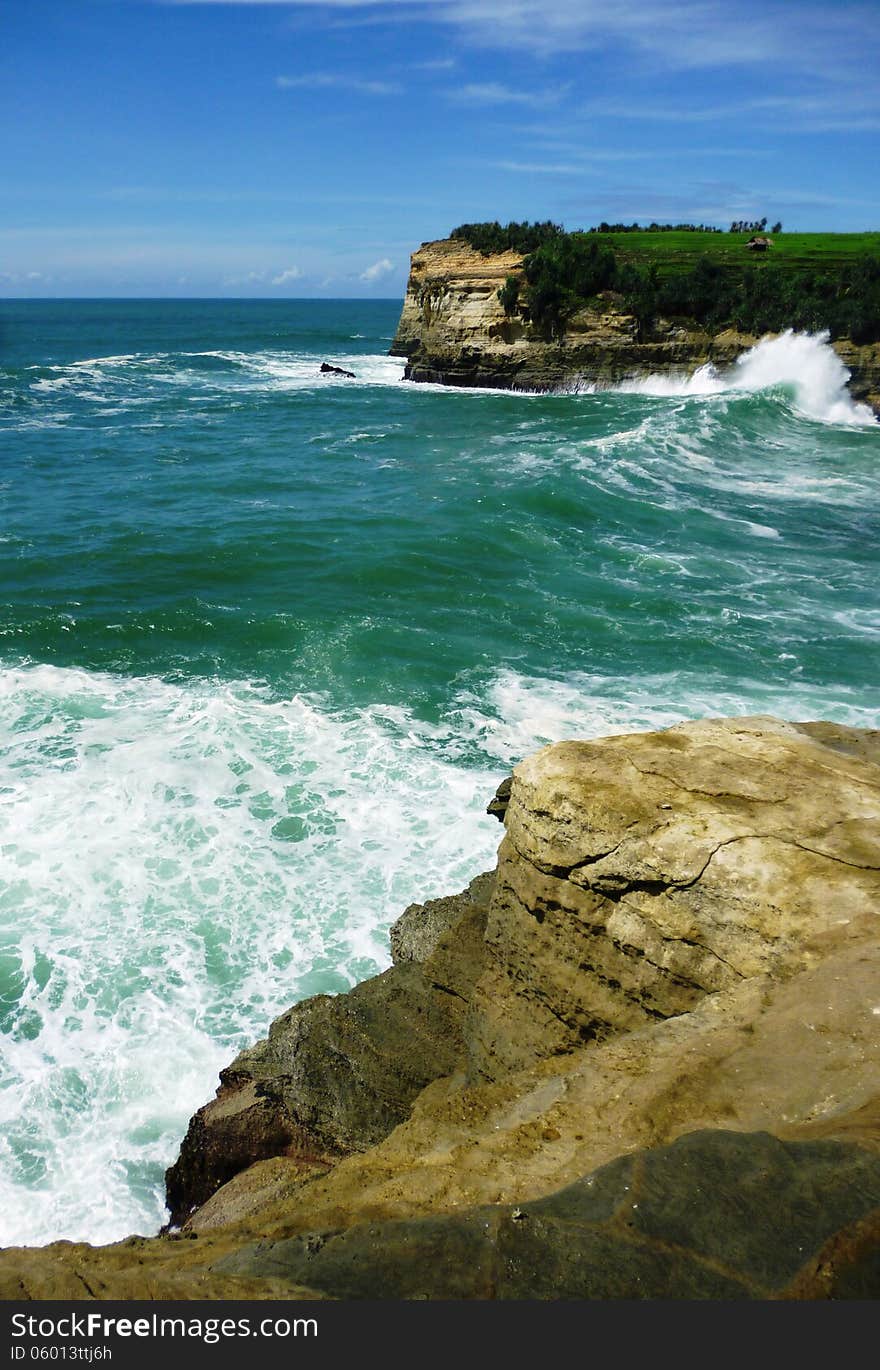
x: 337, y: 1073
x: 643, y: 872
x: 863, y: 364
x: 642, y: 1060
x: 454, y: 331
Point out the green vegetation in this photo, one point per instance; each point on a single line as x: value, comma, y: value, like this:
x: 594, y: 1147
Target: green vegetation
x: 803, y: 281
x: 655, y: 228
x: 678, y: 251
x: 512, y: 237
x: 564, y: 272
x: 762, y: 299
x: 756, y: 226
x: 509, y: 294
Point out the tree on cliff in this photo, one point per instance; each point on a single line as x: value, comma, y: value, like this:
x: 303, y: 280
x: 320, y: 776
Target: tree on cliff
x: 513, y: 237
x: 509, y: 294
x: 561, y: 275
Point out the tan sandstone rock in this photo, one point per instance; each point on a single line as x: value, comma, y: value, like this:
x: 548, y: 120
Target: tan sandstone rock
x: 681, y: 940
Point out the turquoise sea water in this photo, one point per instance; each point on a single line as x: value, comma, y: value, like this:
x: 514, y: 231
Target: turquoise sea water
x: 269, y: 640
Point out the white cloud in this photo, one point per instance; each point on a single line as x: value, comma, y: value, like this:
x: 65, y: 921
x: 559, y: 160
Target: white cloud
x: 810, y: 35
x: 543, y: 168
x: 377, y: 271
x: 292, y: 273
x: 327, y: 80
x: 494, y: 93
x: 831, y: 110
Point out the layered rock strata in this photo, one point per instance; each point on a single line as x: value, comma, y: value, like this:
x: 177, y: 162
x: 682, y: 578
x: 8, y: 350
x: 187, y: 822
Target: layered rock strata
x: 454, y: 331
x: 640, y: 1060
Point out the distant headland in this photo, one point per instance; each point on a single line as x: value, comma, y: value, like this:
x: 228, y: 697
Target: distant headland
x: 529, y: 306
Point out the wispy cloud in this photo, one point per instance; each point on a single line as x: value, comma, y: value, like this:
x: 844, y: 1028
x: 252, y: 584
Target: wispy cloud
x: 264, y: 278
x: 437, y: 64
x: 23, y: 277
x: 378, y: 271
x: 543, y: 168
x: 292, y: 273
x: 246, y: 278
x: 494, y: 93
x: 809, y: 35
x: 327, y: 80
x: 825, y: 111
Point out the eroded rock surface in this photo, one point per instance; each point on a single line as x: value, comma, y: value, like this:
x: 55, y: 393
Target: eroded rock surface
x: 717, y: 1215
x: 642, y: 872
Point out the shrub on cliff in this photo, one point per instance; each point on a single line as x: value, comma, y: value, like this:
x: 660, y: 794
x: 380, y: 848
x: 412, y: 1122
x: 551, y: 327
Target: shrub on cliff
x: 563, y: 271
x: 761, y: 299
x: 561, y: 275
x: 509, y: 294
x: 513, y: 237
x: 707, y: 293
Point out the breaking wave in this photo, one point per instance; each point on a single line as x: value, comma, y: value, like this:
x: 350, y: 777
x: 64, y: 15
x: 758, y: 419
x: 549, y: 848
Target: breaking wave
x: 804, y: 365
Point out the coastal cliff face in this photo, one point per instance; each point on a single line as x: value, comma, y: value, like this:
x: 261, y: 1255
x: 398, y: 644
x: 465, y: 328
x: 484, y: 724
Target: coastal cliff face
x: 640, y: 1059
x: 454, y: 331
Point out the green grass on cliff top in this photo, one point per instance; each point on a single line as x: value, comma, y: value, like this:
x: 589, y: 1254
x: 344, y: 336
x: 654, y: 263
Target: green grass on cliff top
x: 674, y: 251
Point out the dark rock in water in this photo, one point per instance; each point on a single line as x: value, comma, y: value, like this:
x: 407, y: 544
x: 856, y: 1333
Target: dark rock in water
x: 498, y: 805
x: 716, y: 1215
x: 329, y: 370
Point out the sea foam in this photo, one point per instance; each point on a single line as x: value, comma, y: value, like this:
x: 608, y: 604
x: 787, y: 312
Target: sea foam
x: 179, y: 864
x: 803, y: 363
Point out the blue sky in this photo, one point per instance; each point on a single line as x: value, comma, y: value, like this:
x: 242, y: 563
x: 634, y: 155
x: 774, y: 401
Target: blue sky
x: 279, y: 148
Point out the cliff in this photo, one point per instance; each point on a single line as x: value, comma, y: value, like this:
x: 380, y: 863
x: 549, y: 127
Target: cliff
x: 454, y: 331
x: 640, y: 1059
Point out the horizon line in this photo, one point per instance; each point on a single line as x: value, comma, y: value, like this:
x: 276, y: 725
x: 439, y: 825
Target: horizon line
x: 226, y: 299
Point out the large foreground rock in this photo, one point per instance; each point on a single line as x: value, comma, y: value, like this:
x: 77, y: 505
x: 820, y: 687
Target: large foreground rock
x: 640, y: 873
x: 673, y: 980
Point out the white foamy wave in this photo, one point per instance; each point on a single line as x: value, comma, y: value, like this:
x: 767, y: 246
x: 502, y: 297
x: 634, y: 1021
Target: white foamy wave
x: 518, y: 714
x: 297, y: 371
x: 178, y: 865
x: 805, y: 363
x: 96, y: 378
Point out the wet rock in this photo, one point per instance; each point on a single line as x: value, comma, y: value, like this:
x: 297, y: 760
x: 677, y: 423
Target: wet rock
x: 680, y: 943
x: 497, y: 806
x: 418, y: 930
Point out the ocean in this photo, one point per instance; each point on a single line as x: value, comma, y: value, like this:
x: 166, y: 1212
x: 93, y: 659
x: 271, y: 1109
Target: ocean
x: 269, y: 640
